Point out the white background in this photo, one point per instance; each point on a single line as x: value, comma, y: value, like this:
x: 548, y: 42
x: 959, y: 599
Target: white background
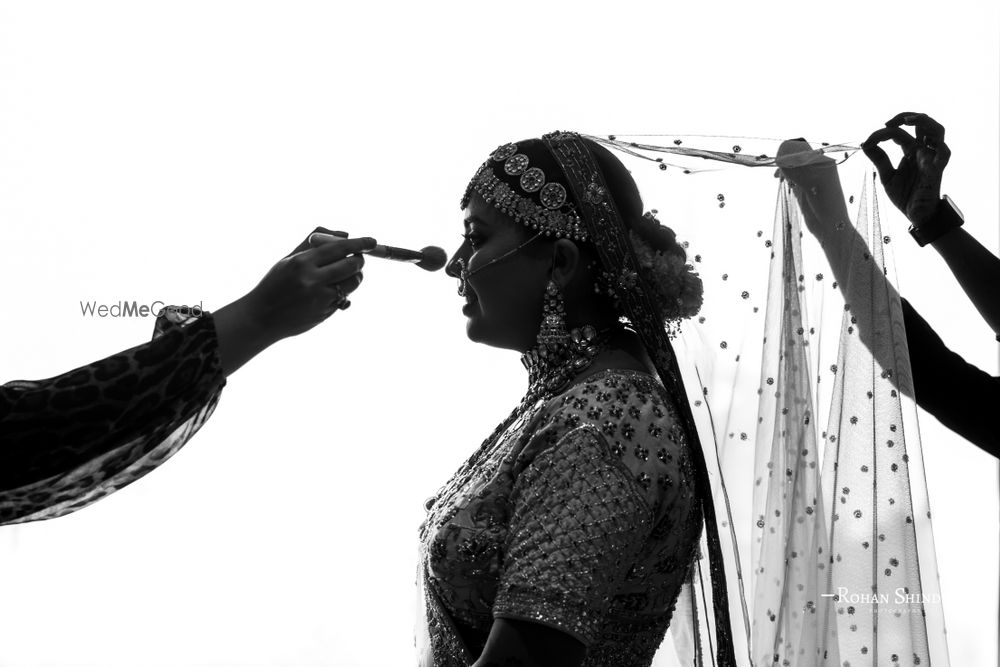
x: 174, y: 151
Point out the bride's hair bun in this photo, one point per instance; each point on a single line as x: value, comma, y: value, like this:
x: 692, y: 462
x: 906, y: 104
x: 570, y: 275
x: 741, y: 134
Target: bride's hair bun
x: 678, y: 289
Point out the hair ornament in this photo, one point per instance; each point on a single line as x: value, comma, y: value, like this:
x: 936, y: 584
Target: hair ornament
x: 532, y: 180
x: 516, y: 164
x: 676, y: 288
x: 503, y: 152
x: 553, y: 195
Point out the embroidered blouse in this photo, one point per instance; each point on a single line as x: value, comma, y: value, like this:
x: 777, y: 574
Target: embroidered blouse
x: 582, y: 516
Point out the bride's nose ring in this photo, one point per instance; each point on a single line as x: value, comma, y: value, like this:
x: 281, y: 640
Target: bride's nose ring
x: 463, y: 277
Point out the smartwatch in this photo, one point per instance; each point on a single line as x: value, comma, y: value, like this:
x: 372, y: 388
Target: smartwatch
x: 946, y: 218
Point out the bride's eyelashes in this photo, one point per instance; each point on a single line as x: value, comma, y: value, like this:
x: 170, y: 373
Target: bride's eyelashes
x: 474, y: 239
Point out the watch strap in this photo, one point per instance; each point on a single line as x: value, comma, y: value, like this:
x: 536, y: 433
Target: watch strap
x: 946, y: 218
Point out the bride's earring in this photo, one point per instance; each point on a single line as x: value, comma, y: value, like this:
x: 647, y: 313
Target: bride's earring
x: 553, y: 333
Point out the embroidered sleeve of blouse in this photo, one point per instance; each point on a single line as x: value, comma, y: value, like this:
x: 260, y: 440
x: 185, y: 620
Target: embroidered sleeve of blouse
x: 67, y: 441
x: 577, y: 523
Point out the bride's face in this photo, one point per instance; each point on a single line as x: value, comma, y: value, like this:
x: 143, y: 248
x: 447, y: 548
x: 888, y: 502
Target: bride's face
x: 503, y: 301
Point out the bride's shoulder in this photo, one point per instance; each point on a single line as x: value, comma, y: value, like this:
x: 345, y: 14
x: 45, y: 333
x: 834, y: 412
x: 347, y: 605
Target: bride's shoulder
x: 612, y: 386
x: 630, y: 408
x: 624, y: 418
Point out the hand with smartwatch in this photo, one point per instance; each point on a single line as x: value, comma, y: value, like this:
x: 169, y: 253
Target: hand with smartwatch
x: 914, y: 186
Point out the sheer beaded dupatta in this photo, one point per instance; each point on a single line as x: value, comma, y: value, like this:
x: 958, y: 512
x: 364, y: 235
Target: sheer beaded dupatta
x: 803, y: 406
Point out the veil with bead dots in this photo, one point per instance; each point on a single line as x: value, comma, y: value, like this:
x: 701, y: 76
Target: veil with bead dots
x: 803, y: 406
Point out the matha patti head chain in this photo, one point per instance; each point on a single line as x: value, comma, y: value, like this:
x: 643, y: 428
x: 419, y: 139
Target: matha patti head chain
x: 520, y: 180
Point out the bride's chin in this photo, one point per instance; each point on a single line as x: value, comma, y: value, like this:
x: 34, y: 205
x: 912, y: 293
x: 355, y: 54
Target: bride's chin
x: 471, y: 329
x: 476, y: 332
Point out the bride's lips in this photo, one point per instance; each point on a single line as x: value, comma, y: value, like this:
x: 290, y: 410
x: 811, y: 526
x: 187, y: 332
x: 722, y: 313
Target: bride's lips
x: 469, y: 303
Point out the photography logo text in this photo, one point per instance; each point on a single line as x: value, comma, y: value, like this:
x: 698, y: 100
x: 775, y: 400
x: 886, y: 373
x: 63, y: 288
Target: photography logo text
x: 900, y: 595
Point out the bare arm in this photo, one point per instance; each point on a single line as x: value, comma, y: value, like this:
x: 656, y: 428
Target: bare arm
x: 816, y: 186
x: 977, y: 271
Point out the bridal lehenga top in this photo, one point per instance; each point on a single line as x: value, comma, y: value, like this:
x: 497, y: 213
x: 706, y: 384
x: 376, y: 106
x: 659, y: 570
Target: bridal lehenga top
x: 581, y: 515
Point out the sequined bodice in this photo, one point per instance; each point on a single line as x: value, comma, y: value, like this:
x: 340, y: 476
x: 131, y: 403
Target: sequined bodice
x: 582, y: 515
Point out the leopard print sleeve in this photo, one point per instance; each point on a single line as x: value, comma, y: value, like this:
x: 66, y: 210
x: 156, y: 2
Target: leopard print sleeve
x: 70, y: 440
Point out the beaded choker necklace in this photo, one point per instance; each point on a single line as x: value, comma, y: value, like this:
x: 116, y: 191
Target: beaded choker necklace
x: 552, y: 365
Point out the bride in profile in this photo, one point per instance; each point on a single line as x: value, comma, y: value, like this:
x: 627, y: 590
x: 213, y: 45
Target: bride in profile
x: 566, y: 538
